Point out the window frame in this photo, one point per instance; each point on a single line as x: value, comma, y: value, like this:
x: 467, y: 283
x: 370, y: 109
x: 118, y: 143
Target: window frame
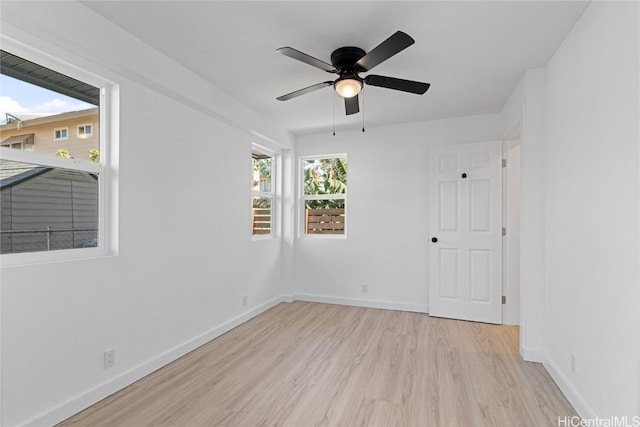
x: 62, y: 138
x: 105, y: 169
x: 273, y: 194
x: 85, y: 134
x: 302, y: 198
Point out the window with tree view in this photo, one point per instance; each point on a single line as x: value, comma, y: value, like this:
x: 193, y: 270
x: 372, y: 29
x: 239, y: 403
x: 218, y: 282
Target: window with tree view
x: 49, y: 175
x: 325, y: 194
x: 263, y: 194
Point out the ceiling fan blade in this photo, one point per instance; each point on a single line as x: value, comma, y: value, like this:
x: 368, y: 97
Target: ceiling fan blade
x: 397, y: 84
x: 351, y: 105
x: 301, y: 56
x: 304, y: 91
x: 398, y: 42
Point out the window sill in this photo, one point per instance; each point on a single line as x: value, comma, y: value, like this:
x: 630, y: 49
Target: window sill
x: 62, y: 255
x: 259, y: 237
x: 324, y: 236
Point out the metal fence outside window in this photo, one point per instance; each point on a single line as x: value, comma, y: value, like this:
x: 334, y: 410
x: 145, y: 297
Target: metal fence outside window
x: 50, y: 239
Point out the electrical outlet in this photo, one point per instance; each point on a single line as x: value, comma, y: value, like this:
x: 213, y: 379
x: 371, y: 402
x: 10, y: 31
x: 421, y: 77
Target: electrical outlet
x: 573, y: 363
x: 109, y: 358
x: 365, y: 289
x: 244, y: 301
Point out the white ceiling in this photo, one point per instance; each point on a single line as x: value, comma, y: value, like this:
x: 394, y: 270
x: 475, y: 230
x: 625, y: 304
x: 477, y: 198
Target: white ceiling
x: 472, y: 53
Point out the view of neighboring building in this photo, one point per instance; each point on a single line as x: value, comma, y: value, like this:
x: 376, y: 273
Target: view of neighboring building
x: 75, y: 131
x: 44, y: 208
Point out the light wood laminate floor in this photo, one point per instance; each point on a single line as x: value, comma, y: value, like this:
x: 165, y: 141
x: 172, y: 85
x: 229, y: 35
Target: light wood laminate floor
x: 308, y: 364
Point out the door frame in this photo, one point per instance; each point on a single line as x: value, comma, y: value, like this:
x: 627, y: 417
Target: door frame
x: 511, y: 183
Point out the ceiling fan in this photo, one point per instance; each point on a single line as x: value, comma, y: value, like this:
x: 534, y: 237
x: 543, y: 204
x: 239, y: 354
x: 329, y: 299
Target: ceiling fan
x: 348, y: 62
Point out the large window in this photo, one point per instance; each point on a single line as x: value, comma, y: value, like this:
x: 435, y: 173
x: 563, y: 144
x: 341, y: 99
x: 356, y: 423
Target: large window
x: 324, y: 194
x: 263, y: 193
x: 52, y: 181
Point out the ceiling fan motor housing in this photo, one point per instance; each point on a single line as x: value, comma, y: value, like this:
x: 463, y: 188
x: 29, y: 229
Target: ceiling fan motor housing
x: 345, y: 58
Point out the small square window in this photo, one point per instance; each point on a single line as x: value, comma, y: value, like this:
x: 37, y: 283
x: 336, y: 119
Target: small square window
x: 60, y: 133
x: 85, y: 130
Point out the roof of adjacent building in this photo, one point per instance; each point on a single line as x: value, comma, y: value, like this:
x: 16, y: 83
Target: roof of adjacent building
x: 20, y: 116
x: 12, y: 173
x: 31, y: 119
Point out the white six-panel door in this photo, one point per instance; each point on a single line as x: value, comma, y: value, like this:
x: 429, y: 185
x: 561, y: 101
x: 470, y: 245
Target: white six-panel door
x: 465, y: 226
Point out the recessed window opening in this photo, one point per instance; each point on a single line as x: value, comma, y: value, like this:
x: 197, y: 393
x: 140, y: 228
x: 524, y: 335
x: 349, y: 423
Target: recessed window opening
x: 50, y: 177
x: 263, y: 192
x: 324, y: 194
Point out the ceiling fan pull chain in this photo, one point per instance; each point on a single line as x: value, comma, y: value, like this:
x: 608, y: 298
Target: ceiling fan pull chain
x: 362, y: 110
x: 334, y: 113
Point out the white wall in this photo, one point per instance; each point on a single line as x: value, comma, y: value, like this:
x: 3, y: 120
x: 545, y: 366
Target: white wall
x: 591, y: 212
x: 532, y: 229
x: 185, y: 256
x: 387, y: 231
x: 578, y: 119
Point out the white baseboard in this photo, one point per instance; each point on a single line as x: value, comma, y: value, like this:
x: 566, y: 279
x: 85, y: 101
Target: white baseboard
x: 386, y: 305
x: 532, y: 354
x: 572, y: 395
x: 288, y: 298
x: 565, y: 386
x: 94, y: 395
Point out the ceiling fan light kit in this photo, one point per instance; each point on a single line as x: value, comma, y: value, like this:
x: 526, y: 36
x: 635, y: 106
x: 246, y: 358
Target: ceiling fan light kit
x: 348, y: 62
x: 348, y: 86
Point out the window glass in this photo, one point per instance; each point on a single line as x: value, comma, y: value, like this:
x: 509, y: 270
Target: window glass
x: 261, y: 173
x: 324, y: 195
x: 263, y: 193
x: 47, y: 203
x: 48, y: 116
x: 47, y: 208
x: 261, y: 215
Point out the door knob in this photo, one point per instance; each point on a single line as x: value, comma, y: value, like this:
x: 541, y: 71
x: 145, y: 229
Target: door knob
x: 434, y: 239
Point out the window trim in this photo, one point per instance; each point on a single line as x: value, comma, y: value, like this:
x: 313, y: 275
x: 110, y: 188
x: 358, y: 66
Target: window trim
x: 62, y: 138
x: 302, y: 198
x: 273, y: 194
x: 107, y: 177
